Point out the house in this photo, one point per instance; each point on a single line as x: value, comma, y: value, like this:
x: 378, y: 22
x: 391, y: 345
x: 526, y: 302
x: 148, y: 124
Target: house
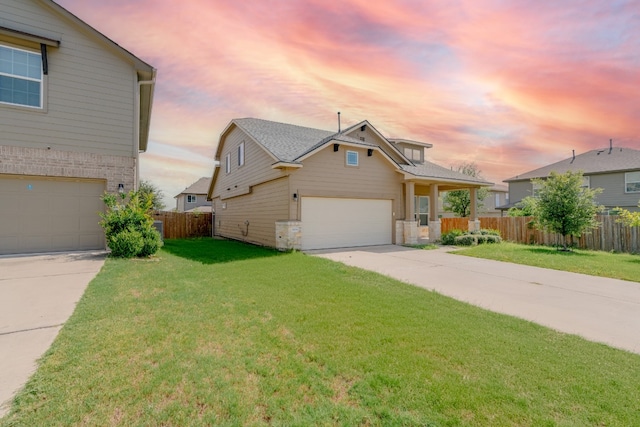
x: 497, y: 196
x: 74, y: 112
x: 614, y: 169
x: 194, y: 197
x: 293, y: 187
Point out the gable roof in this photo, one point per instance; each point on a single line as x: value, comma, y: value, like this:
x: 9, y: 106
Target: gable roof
x: 201, y: 186
x: 606, y: 160
x: 291, y: 144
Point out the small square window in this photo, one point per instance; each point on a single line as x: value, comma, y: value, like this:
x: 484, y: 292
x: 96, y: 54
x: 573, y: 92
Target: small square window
x: 352, y: 158
x: 192, y: 198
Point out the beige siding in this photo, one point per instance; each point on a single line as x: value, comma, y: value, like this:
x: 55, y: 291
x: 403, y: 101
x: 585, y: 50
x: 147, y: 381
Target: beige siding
x: 89, y: 93
x: 371, y: 137
x: 256, y: 169
x: 266, y: 204
x: 325, y: 174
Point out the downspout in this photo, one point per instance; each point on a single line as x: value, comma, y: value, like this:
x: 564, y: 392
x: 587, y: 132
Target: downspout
x: 136, y: 147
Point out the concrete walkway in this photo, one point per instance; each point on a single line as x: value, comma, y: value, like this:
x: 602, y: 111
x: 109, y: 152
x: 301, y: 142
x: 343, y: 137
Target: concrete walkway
x: 598, y: 309
x: 37, y: 295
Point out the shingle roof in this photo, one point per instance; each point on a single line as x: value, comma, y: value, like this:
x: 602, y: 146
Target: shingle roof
x: 288, y: 143
x: 592, y: 162
x: 201, y: 186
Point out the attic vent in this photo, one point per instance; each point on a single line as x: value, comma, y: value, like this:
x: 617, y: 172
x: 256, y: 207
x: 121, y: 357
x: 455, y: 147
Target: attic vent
x: 362, y: 138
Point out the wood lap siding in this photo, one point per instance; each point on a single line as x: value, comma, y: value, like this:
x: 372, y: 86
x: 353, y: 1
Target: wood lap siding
x: 89, y: 95
x: 266, y: 204
x: 610, y: 236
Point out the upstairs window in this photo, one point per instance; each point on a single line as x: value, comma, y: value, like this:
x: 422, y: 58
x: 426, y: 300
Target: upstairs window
x: 192, y: 198
x: 352, y: 158
x: 632, y: 182
x: 586, y: 182
x: 20, y: 77
x: 413, y: 154
x: 241, y: 154
x: 227, y: 163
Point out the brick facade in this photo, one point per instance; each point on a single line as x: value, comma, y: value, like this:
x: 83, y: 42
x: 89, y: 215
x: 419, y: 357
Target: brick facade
x: 68, y: 164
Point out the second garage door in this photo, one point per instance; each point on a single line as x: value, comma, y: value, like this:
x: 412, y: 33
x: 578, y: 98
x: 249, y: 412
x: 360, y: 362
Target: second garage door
x: 49, y: 214
x: 339, y: 223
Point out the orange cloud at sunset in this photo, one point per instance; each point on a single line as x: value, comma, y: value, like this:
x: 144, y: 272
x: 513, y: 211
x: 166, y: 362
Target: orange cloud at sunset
x: 510, y: 86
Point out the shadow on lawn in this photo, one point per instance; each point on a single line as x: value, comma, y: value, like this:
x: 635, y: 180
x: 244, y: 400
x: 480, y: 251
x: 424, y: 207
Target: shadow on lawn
x: 214, y: 251
x: 560, y: 251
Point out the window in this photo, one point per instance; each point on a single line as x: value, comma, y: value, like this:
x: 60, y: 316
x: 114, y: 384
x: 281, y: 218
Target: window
x: 241, y: 154
x: 536, y: 189
x: 497, y: 199
x: 421, y: 207
x: 20, y: 77
x: 632, y: 182
x: 352, y: 158
x: 413, y: 154
x: 191, y: 198
x: 227, y: 163
x: 586, y: 182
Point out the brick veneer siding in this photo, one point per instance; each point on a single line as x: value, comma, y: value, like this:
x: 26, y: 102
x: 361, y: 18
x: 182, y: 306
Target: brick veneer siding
x: 68, y: 164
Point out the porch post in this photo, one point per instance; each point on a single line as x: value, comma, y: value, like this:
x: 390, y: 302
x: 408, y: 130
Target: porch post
x: 410, y: 232
x: 435, y: 228
x: 474, y: 223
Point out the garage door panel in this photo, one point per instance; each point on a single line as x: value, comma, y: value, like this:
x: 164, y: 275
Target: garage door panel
x: 334, y: 222
x: 49, y: 214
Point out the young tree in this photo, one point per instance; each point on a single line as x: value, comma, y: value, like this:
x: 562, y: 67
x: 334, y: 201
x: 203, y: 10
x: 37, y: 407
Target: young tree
x: 525, y: 207
x: 564, y: 206
x: 459, y: 201
x: 149, y: 191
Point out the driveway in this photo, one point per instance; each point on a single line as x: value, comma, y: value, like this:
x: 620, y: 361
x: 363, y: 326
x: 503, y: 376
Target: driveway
x: 596, y: 308
x: 37, y: 295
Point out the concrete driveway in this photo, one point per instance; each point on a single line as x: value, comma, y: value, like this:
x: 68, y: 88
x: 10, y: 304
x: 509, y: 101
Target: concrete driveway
x: 598, y: 309
x: 37, y: 295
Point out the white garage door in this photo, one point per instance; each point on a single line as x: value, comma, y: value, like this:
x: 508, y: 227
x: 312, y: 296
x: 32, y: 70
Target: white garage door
x: 339, y: 223
x: 48, y: 215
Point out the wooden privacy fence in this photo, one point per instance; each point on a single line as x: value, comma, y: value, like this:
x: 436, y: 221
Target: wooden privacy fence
x: 180, y: 225
x: 609, y: 236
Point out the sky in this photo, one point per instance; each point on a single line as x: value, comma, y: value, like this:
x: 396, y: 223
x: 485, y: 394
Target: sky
x: 510, y: 85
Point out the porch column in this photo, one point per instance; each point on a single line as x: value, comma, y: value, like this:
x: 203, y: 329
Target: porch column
x: 435, y: 228
x: 474, y: 223
x: 410, y: 231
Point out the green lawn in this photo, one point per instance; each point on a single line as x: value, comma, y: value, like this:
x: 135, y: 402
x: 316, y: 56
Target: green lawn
x: 594, y: 263
x: 220, y: 333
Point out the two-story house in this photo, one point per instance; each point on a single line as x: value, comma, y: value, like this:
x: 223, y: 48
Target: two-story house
x: 614, y: 169
x: 194, y: 197
x: 75, y: 109
x: 295, y: 187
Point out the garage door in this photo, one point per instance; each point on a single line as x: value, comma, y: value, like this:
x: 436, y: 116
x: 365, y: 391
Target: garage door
x: 48, y: 215
x: 339, y: 223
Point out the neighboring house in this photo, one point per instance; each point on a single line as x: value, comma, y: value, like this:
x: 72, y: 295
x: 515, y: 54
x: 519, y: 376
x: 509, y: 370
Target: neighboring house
x: 194, y: 197
x: 498, y: 196
x: 74, y: 114
x: 614, y: 169
x: 293, y: 187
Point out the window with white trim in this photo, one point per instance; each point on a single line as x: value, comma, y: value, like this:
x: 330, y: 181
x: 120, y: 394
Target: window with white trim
x: 352, y: 158
x: 536, y: 189
x: 586, y: 182
x: 413, y: 154
x: 20, y: 77
x: 241, y: 154
x: 192, y: 198
x: 632, y: 182
x: 227, y: 163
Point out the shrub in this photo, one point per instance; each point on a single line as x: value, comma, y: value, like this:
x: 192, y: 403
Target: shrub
x: 490, y: 232
x: 481, y: 238
x: 448, y: 238
x: 493, y: 239
x: 466, y: 240
x: 128, y: 226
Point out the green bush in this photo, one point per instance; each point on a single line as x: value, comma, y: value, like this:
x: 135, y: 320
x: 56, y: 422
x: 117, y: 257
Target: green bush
x: 128, y: 226
x: 125, y: 243
x: 481, y: 238
x: 448, y: 238
x: 493, y: 239
x: 466, y: 240
x: 490, y: 232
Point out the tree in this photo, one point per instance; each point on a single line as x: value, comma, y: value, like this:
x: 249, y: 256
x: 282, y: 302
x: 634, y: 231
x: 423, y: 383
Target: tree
x: 564, y: 206
x: 459, y: 201
x: 149, y: 191
x: 628, y: 218
x: 525, y: 207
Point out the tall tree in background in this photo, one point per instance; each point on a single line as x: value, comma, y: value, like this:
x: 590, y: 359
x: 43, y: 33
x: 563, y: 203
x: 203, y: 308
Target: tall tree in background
x: 459, y: 201
x: 149, y: 191
x: 565, y: 206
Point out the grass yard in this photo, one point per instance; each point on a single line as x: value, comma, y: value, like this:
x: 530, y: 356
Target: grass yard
x: 594, y: 263
x: 220, y: 333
